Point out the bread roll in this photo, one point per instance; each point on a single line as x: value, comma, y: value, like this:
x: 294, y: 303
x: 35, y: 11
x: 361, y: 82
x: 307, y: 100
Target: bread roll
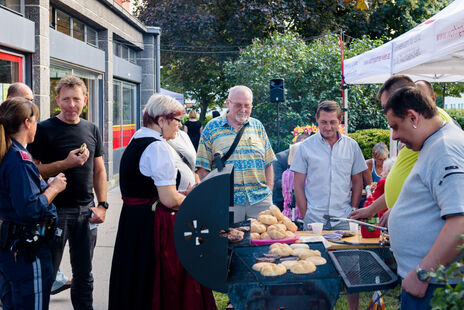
x: 267, y: 219
x: 273, y: 270
x: 302, y: 253
x: 280, y: 227
x: 288, y: 263
x: 299, y: 246
x: 316, y: 260
x: 282, y: 250
x: 255, y: 236
x: 289, y: 224
x: 276, y: 234
x: 315, y: 253
x: 275, y: 245
x: 302, y: 267
x: 276, y: 212
x: 257, y: 227
x: 289, y: 234
x: 265, y: 212
x: 258, y: 266
x: 265, y: 236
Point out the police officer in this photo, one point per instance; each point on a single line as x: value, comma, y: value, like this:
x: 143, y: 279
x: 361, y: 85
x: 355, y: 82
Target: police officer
x: 26, y: 211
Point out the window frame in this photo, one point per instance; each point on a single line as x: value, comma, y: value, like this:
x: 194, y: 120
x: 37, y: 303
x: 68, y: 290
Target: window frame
x: 22, y: 8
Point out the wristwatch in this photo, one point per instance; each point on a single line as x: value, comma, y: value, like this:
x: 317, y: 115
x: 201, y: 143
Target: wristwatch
x: 422, y: 274
x: 104, y: 204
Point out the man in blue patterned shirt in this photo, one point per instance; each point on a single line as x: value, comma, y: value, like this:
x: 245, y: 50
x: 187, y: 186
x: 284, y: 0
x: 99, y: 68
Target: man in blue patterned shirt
x: 252, y: 158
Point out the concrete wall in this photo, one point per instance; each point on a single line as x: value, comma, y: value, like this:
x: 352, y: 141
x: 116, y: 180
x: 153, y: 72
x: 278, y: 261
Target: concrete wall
x: 103, y: 14
x: 126, y: 70
x: 22, y: 40
x: 74, y: 51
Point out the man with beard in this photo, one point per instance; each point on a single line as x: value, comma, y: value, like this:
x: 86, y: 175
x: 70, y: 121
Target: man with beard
x: 252, y: 158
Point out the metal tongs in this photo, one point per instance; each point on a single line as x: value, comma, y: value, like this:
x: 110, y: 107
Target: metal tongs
x: 332, y: 218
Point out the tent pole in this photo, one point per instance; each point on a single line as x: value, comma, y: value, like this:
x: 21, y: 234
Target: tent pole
x: 344, y: 90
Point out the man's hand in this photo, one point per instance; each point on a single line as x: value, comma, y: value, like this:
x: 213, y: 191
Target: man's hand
x: 99, y: 215
x: 413, y: 285
x: 362, y: 213
x: 384, y: 220
x: 77, y: 158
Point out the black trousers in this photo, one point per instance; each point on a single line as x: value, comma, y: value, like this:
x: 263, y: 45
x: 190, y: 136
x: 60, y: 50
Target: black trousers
x: 74, y: 223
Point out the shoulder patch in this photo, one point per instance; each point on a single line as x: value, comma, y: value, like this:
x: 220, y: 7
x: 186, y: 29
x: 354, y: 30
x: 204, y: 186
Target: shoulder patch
x: 25, y: 156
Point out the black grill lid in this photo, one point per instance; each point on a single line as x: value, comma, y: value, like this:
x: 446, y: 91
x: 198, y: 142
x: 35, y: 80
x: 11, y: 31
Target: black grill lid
x: 202, y: 215
x: 362, y: 270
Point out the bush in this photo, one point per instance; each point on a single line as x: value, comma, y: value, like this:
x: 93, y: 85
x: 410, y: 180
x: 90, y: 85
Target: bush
x: 449, y: 297
x: 458, y: 115
x: 367, y: 138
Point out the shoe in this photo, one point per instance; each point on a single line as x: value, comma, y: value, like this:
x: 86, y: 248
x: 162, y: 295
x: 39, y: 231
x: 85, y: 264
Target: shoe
x: 62, y: 288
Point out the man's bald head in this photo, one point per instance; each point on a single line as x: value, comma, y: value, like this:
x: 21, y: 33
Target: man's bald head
x: 427, y: 88
x: 20, y: 90
x: 394, y: 83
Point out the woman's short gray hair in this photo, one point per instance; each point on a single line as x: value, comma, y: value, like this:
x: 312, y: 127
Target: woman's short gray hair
x: 161, y: 105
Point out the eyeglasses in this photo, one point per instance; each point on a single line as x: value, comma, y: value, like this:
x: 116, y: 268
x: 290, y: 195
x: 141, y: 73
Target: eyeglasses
x: 240, y: 106
x: 177, y: 119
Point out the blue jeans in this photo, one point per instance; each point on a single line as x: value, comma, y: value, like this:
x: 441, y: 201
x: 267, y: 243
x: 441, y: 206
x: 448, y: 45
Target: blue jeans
x: 74, y: 223
x: 409, y: 302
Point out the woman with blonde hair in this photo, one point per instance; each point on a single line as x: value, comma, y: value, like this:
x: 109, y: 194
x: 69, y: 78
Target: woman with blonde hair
x: 26, y: 211
x: 375, y: 164
x: 193, y: 128
x: 146, y: 272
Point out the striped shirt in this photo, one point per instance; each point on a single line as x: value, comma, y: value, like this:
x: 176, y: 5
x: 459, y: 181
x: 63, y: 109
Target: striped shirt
x: 250, y: 158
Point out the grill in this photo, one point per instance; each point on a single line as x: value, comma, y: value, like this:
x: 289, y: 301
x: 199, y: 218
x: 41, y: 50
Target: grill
x: 227, y: 268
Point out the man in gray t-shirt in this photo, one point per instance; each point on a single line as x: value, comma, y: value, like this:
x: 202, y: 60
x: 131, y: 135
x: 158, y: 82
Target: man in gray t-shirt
x: 328, y: 166
x: 429, y: 213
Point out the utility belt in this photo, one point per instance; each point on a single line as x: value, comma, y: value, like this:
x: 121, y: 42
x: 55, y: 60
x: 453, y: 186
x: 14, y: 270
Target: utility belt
x: 26, y: 239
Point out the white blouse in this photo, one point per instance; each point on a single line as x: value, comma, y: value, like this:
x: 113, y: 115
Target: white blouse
x: 156, y: 161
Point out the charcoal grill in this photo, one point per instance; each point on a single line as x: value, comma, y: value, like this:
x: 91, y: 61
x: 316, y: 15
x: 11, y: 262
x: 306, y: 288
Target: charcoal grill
x: 225, y: 267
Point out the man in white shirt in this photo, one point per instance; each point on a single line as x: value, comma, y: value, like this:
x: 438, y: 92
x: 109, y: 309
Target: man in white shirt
x: 327, y: 166
x: 331, y: 165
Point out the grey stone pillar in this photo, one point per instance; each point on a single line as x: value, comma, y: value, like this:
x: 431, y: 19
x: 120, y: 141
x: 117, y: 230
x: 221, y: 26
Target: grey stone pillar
x: 38, y: 11
x: 105, y: 38
x: 150, y: 68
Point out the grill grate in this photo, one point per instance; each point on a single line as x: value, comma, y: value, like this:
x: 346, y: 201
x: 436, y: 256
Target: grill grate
x: 243, y: 258
x: 362, y: 270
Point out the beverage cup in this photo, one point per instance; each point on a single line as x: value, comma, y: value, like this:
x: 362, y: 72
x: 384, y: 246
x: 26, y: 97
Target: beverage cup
x: 317, y: 228
x: 353, y: 228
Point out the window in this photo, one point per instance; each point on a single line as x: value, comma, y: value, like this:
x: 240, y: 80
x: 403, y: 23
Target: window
x: 124, y: 52
x: 71, y: 26
x: 78, y: 30
x: 92, y: 36
x: 116, y: 49
x: 63, y: 23
x: 15, y: 5
x: 51, y: 11
x: 10, y: 72
x: 123, y: 113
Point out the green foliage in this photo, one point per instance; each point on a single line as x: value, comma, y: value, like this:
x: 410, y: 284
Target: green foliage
x: 449, y: 297
x: 367, y: 138
x: 457, y: 115
x: 312, y: 74
x: 199, y: 36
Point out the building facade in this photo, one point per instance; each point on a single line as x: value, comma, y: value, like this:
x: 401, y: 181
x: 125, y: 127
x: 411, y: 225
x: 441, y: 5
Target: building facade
x: 99, y: 41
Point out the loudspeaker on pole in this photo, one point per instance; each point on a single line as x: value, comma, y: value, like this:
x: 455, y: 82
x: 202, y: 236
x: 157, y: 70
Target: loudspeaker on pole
x: 277, y: 92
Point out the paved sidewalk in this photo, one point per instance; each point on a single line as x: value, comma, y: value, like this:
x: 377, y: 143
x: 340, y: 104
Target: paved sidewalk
x: 101, y: 259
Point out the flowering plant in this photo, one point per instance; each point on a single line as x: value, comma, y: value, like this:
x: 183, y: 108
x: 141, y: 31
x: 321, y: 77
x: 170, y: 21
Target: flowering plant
x: 311, y: 129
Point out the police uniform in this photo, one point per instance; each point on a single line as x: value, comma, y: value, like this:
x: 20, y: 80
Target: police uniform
x: 26, y: 276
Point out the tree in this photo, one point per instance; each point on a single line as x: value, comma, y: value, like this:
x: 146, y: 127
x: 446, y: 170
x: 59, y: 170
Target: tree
x: 198, y: 37
x: 312, y: 74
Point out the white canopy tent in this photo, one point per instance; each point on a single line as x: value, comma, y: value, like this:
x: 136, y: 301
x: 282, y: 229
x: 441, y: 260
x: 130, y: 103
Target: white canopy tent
x: 433, y: 51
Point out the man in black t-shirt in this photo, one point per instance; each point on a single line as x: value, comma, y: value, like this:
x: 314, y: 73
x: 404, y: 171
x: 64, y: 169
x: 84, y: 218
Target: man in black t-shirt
x: 66, y: 143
